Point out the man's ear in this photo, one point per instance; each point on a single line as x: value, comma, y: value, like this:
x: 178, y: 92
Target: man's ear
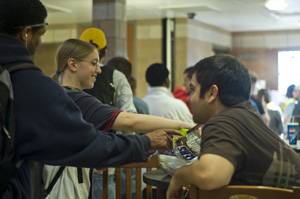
x: 213, y: 93
x: 25, y: 35
x: 72, y: 65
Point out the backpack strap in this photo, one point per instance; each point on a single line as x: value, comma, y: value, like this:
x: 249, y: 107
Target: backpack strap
x: 79, y: 175
x: 104, y: 89
x: 55, y: 179
x: 19, y: 66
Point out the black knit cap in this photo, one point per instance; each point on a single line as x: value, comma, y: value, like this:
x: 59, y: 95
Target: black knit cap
x: 20, y: 13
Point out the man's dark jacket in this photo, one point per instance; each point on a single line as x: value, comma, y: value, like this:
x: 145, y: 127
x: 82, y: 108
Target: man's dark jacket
x: 50, y: 127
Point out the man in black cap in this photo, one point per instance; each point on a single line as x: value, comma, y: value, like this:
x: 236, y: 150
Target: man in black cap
x: 49, y: 126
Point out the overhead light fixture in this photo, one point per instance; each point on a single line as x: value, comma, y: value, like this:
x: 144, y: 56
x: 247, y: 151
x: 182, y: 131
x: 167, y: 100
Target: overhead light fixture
x: 276, y: 5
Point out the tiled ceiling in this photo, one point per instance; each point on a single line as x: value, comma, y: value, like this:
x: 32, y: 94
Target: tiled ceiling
x: 231, y: 15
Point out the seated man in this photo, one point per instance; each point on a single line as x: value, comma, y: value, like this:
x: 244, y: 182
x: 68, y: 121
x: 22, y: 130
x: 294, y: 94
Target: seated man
x: 237, y: 147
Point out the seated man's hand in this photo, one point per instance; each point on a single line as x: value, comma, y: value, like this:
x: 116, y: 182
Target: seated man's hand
x: 159, y: 139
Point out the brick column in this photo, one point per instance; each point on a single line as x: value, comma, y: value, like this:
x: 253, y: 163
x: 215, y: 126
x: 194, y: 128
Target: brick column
x: 110, y: 16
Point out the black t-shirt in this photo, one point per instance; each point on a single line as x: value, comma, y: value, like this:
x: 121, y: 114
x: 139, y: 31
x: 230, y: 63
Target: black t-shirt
x: 259, y: 156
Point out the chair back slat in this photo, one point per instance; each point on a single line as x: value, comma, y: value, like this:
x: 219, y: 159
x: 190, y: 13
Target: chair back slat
x: 118, y: 183
x: 193, y: 192
x: 105, y: 183
x: 138, y: 185
x: 153, y: 162
x: 149, y: 188
x: 128, y: 182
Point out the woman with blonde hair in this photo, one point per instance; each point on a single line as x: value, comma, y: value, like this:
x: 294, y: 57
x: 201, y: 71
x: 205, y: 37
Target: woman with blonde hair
x: 78, y: 65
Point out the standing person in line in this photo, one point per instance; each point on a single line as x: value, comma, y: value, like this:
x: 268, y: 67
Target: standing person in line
x: 275, y: 123
x: 255, y: 103
x: 159, y: 99
x: 237, y: 147
x: 111, y: 86
x: 49, y: 126
x: 140, y: 105
x: 78, y: 66
x: 289, y: 97
x: 183, y: 92
x: 124, y: 65
x: 288, y: 112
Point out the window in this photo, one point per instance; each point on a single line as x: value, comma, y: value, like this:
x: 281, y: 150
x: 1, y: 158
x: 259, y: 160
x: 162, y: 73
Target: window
x: 288, y: 69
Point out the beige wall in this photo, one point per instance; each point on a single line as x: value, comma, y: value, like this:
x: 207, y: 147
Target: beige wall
x: 194, y: 41
x: 45, y: 58
x: 263, y: 62
x: 259, y: 51
x: 198, y: 50
x: 144, y: 48
x: 55, y: 35
x: 180, y: 59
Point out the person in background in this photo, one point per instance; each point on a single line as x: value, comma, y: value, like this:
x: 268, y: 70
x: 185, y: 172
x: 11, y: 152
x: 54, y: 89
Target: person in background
x: 159, y: 99
x: 289, y: 97
x: 183, y: 92
x: 111, y: 87
x: 121, y: 64
x: 140, y: 105
x: 275, y: 123
x: 124, y: 65
x: 78, y: 65
x: 255, y: 103
x: 236, y: 145
x: 288, y: 112
x: 49, y: 127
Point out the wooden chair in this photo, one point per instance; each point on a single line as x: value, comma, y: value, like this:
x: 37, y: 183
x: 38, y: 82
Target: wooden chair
x: 296, y: 194
x: 152, y: 163
x: 243, y: 192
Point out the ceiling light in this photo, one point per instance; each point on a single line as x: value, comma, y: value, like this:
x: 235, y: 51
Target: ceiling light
x: 276, y: 4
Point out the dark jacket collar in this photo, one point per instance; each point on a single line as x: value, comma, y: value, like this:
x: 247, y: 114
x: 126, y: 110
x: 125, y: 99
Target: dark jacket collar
x: 12, y: 50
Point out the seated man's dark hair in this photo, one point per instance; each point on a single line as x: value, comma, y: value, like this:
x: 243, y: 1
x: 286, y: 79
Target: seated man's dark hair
x: 231, y: 77
x: 16, y: 14
x: 157, y: 74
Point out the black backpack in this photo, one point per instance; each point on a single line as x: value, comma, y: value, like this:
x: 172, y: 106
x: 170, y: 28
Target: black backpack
x: 8, y: 160
x: 104, y: 89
